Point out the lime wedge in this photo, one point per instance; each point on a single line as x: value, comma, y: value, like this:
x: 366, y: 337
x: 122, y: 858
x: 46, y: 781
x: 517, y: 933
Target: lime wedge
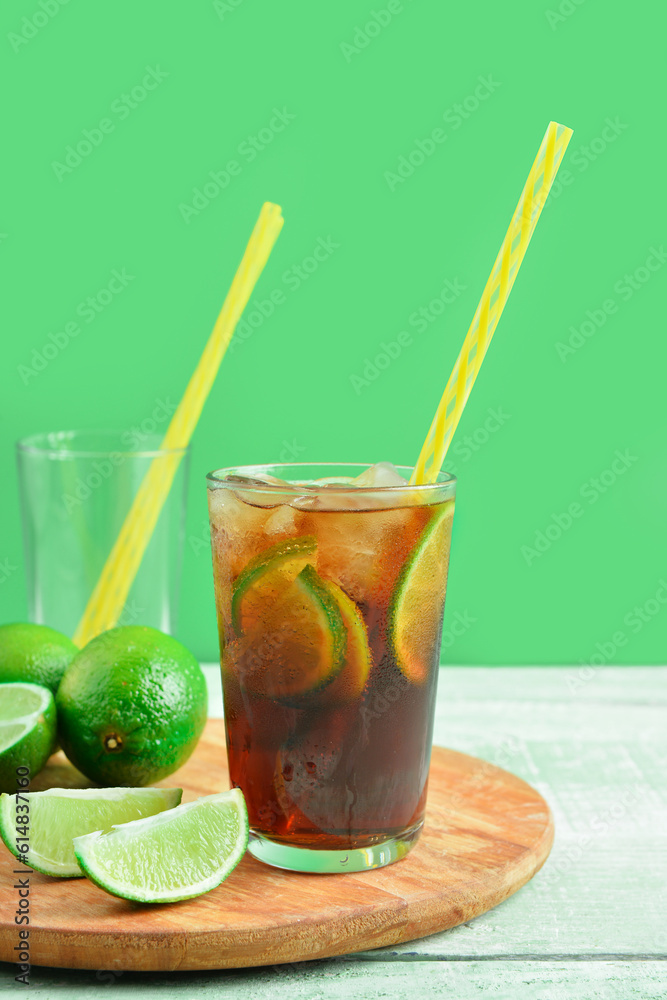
x: 297, y: 643
x: 266, y: 578
x: 27, y: 731
x: 417, y: 605
x: 176, y: 855
x: 53, y: 818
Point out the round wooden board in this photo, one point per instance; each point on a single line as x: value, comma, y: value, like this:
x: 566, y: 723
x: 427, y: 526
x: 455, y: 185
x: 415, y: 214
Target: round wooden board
x: 486, y: 833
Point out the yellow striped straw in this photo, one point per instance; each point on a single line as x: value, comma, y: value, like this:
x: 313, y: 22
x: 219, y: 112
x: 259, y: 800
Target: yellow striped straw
x: 110, y: 594
x: 492, y: 303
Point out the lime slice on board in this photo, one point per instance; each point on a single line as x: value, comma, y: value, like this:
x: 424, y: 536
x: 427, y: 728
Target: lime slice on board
x: 53, y: 818
x: 417, y: 605
x: 27, y: 731
x: 266, y: 578
x: 298, y: 641
x: 175, y: 855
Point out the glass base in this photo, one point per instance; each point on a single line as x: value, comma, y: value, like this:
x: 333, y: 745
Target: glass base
x: 359, y: 859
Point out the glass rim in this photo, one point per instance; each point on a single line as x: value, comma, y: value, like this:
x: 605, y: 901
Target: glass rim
x: 444, y: 479
x: 37, y: 444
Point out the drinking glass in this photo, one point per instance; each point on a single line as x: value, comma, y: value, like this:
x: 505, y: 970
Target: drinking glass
x: 76, y: 489
x: 330, y: 602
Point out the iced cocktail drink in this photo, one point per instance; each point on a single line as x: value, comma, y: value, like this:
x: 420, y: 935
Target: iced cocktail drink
x: 330, y: 586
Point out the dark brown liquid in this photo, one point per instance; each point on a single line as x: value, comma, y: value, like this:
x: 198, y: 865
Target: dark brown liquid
x: 321, y: 771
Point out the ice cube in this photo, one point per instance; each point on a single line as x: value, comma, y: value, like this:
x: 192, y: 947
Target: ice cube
x: 332, y: 481
x: 256, y: 497
x: 262, y: 499
x: 281, y: 521
x: 252, y: 480
x: 364, y: 551
x: 330, y: 496
x: 341, y: 493
x: 382, y: 474
x: 217, y: 500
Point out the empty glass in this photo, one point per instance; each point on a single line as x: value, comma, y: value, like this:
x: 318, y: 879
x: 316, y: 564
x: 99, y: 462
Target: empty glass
x: 76, y: 489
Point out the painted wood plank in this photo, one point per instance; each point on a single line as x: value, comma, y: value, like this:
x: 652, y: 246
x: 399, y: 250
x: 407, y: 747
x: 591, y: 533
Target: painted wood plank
x: 459, y: 722
x: 586, y: 682
x: 344, y: 980
x: 610, y: 903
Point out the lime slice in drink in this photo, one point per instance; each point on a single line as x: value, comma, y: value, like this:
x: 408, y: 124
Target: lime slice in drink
x: 352, y: 678
x: 53, y: 818
x: 298, y: 641
x: 27, y: 731
x: 417, y: 605
x: 266, y: 578
x: 175, y: 855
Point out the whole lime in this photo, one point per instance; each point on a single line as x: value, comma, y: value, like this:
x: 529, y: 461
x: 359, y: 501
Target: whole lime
x: 34, y: 654
x: 131, y: 706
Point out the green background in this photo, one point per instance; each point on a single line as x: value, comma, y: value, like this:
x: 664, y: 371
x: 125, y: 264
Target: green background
x: 354, y: 103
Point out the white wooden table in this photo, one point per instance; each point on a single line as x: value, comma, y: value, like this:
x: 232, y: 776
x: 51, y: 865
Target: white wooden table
x: 593, y: 922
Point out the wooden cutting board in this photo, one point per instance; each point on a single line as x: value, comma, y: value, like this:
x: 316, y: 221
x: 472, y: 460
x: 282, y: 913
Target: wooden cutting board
x: 486, y: 833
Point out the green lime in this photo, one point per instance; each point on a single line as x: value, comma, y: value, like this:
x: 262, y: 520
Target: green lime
x: 53, y: 818
x: 34, y: 653
x: 176, y: 855
x: 418, y: 601
x: 351, y: 680
x: 27, y: 732
x: 266, y: 578
x: 131, y: 706
x: 298, y: 639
